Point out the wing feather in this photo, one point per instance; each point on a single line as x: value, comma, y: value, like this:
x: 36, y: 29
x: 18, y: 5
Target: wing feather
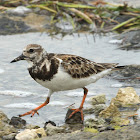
x: 79, y: 67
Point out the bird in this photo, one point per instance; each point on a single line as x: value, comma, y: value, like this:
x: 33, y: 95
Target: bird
x: 62, y: 72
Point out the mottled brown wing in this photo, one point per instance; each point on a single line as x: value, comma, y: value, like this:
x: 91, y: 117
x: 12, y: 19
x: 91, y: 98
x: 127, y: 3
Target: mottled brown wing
x: 79, y: 67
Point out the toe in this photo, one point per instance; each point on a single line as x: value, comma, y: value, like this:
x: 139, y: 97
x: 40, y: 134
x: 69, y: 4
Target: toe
x: 75, y: 111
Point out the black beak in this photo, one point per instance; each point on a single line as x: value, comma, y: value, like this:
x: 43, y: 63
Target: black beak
x: 21, y: 57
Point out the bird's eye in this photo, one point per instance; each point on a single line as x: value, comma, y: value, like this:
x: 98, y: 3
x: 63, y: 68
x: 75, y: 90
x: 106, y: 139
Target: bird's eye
x: 31, y: 50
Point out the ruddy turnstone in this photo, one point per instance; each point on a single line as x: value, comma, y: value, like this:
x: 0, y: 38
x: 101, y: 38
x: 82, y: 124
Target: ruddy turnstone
x: 60, y: 72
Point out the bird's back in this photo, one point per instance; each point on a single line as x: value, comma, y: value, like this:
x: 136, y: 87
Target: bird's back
x: 79, y: 67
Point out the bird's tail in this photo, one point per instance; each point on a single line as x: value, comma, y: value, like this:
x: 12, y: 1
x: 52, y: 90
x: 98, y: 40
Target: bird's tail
x: 118, y: 68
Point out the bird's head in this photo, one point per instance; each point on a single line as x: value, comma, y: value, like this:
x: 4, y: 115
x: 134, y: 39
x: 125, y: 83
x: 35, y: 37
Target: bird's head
x: 32, y: 53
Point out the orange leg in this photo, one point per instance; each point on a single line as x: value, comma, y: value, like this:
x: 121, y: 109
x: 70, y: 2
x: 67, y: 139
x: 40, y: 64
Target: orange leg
x: 32, y: 112
x: 81, y: 106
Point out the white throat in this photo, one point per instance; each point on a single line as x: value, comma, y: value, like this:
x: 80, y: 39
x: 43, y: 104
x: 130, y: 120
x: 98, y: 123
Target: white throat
x: 30, y: 63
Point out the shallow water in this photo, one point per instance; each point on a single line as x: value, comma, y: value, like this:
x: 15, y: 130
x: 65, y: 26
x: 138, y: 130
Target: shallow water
x: 19, y: 93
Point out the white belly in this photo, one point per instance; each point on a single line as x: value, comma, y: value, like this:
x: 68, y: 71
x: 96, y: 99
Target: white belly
x: 63, y: 81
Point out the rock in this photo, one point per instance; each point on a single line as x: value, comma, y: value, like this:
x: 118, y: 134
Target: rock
x: 51, y: 130
x: 28, y: 134
x: 51, y: 122
x: 37, y: 22
x: 95, y: 123
x: 9, y: 26
x: 17, y: 122
x: 118, y: 121
x: 105, y: 128
x: 20, y: 10
x: 108, y: 120
x: 88, y: 110
x: 99, y: 99
x: 123, y: 133
x: 75, y: 119
x: 130, y: 40
x: 3, y: 117
x: 110, y: 112
x: 12, y: 24
x: 5, y: 128
x: 127, y: 76
x: 9, y: 137
x: 73, y: 127
x: 126, y: 97
x: 98, y: 108
x: 71, y: 136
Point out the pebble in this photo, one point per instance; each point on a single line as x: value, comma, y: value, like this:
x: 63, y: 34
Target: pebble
x: 51, y: 129
x: 17, y: 122
x: 99, y: 99
x: 105, y: 128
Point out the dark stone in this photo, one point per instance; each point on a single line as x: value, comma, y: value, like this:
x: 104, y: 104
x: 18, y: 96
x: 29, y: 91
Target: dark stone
x: 51, y: 122
x: 130, y: 40
x: 17, y: 122
x: 8, y: 26
x: 106, y: 128
x: 108, y: 120
x: 110, y: 128
x: 128, y: 75
x: 75, y: 119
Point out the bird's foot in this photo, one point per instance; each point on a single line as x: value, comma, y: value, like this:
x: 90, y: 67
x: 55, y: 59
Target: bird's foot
x: 77, y: 110
x: 32, y: 112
